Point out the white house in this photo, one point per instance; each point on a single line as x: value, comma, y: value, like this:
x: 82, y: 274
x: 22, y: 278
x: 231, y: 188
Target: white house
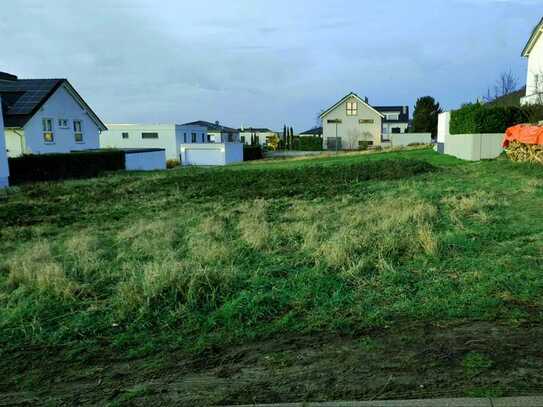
x: 46, y: 116
x: 534, y: 52
x: 4, y: 168
x: 396, y: 119
x: 259, y: 135
x: 217, y: 132
x: 167, y: 136
x: 349, y: 122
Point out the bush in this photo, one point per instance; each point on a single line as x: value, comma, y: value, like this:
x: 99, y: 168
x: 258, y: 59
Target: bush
x: 251, y: 153
x: 172, y: 164
x: 307, y: 143
x: 477, y: 118
x: 51, y: 167
x: 364, y: 145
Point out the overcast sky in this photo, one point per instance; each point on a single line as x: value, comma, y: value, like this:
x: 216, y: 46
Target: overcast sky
x: 264, y: 63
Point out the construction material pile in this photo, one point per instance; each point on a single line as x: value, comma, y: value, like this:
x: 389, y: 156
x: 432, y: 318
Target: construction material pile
x: 517, y: 151
x: 524, y: 143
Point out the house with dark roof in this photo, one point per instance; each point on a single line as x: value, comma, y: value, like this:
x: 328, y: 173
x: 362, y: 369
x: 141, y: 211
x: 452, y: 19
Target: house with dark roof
x: 46, y: 116
x: 258, y: 135
x: 217, y: 132
x: 396, y: 119
x: 4, y: 168
x: 314, y: 132
x: 533, y: 50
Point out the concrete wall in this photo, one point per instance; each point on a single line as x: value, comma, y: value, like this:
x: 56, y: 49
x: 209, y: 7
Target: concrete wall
x: 211, y: 154
x: 534, y: 87
x: 61, y: 105
x: 474, y: 147
x: 350, y: 130
x: 145, y: 160
x: 443, y: 125
x: 4, y: 168
x: 402, y: 140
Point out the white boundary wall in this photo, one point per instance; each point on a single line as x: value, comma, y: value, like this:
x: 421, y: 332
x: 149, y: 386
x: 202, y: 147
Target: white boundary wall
x: 149, y: 160
x: 474, y: 147
x: 404, y: 139
x: 4, y: 168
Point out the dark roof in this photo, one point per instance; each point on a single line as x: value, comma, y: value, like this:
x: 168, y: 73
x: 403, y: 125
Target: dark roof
x: 535, y: 34
x: 212, y: 127
x: 22, y: 98
x: 402, y: 110
x: 256, y: 130
x: 363, y: 100
x: 314, y: 130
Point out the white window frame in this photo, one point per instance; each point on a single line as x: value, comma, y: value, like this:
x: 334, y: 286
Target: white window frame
x: 352, y: 108
x: 79, y: 133
x: 63, y: 123
x: 48, y: 130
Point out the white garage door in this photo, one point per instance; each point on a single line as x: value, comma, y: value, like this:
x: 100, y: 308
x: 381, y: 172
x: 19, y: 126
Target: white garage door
x: 195, y: 156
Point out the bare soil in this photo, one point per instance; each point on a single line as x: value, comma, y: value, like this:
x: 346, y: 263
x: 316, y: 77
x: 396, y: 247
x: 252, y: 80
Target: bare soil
x: 404, y: 361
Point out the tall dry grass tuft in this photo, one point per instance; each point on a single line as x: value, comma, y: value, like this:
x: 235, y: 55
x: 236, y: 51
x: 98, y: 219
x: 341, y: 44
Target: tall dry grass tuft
x: 210, y: 242
x: 34, y: 268
x: 476, y: 206
x: 147, y: 239
x: 370, y: 232
x: 254, y: 227
x: 170, y: 285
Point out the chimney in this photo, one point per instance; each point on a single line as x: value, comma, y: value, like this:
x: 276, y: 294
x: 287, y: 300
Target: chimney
x: 366, y: 100
x: 4, y: 76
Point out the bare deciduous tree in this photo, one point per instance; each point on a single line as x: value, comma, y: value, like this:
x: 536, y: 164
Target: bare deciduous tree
x: 506, y: 84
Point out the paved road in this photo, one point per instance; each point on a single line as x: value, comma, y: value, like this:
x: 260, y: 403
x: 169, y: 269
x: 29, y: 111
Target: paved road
x: 463, y: 402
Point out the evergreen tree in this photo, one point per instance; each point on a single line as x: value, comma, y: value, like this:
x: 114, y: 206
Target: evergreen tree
x: 425, y: 115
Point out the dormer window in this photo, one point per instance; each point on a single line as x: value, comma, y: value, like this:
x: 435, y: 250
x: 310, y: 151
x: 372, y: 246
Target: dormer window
x: 352, y: 108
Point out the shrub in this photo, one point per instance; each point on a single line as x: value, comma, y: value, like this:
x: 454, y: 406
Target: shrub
x: 50, y: 167
x: 251, y: 153
x: 172, y: 164
x: 477, y: 118
x: 363, y: 145
x: 309, y: 143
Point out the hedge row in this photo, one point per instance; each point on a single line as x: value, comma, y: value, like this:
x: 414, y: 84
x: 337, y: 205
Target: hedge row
x: 307, y: 143
x: 478, y: 118
x: 251, y: 153
x: 52, y: 167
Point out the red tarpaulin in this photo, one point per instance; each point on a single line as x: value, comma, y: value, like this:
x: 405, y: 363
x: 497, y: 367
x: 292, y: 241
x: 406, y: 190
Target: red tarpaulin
x: 523, y: 133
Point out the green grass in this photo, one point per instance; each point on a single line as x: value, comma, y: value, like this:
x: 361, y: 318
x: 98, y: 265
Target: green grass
x: 197, y: 258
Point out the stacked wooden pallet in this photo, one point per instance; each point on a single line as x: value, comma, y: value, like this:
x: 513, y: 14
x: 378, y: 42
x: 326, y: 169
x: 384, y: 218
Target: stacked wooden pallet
x: 517, y: 151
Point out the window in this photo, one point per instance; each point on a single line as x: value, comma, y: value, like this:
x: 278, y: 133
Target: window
x: 392, y: 116
x: 47, y: 127
x: 230, y: 137
x: 208, y: 138
x: 203, y: 138
x: 125, y: 135
x: 78, y: 132
x: 243, y: 139
x: 185, y: 138
x: 63, y: 123
x: 333, y: 121
x: 366, y: 121
x: 352, y: 108
x: 149, y: 135
x: 194, y: 137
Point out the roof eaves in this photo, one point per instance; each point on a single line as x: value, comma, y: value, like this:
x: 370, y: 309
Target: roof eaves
x: 536, y: 33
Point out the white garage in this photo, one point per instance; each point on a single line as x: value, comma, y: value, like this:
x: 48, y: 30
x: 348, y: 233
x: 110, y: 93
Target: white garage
x: 211, y: 154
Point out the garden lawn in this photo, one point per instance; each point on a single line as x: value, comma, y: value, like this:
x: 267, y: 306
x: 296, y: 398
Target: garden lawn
x: 194, y: 260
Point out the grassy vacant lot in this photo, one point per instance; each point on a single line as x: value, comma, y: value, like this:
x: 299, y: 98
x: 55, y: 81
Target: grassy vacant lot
x: 391, y: 252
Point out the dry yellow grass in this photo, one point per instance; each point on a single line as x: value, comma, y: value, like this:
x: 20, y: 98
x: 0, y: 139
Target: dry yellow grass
x: 254, y: 228
x: 476, y: 205
x: 35, y: 268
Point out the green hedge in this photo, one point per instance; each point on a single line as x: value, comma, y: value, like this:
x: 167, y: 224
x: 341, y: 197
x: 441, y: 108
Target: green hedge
x: 307, y: 143
x: 251, y: 153
x: 51, y: 167
x: 477, y: 118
